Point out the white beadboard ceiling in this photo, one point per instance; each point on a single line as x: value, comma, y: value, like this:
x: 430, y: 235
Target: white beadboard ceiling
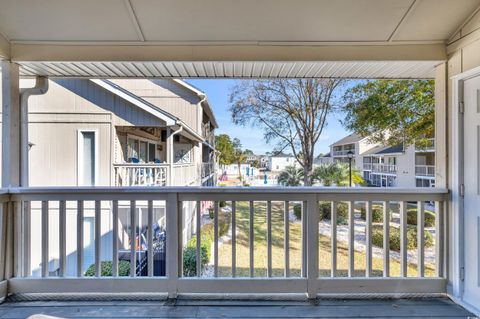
x: 248, y: 38
x: 358, y: 70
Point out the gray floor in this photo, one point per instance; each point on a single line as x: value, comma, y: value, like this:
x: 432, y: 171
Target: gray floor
x: 399, y: 308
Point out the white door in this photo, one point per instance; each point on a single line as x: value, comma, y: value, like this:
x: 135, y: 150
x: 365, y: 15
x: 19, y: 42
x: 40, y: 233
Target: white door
x: 472, y: 191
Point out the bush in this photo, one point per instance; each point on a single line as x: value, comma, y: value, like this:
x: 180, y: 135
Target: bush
x: 211, y: 213
x: 377, y: 213
x: 206, y: 240
x: 325, y: 212
x: 297, y: 211
x: 106, y: 269
x: 412, y: 217
x: 377, y: 237
x: 190, y: 255
x: 222, y: 203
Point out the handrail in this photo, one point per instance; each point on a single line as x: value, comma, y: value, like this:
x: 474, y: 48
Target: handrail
x: 177, y: 208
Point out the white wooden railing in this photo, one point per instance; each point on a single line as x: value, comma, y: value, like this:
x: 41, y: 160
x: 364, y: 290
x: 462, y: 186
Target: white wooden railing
x: 140, y: 174
x: 185, y: 174
x: 428, y: 146
x: 425, y: 170
x: 56, y: 207
x: 384, y: 168
x: 343, y: 152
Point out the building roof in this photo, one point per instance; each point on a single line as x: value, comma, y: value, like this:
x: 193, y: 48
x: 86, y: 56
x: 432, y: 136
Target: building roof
x: 203, y: 98
x: 146, y: 106
x: 384, y: 150
x: 349, y: 139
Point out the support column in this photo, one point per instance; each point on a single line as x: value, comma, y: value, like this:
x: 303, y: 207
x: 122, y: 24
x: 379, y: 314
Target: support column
x: 169, y: 156
x: 441, y: 128
x: 10, y: 125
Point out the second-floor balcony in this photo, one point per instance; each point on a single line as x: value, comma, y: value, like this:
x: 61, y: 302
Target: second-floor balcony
x: 129, y: 174
x: 383, y: 168
x: 208, y: 134
x: 425, y: 170
x: 343, y: 152
x: 427, y: 145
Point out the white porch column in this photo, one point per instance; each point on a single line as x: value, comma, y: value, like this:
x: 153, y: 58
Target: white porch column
x: 170, y: 156
x: 10, y: 124
x: 441, y: 159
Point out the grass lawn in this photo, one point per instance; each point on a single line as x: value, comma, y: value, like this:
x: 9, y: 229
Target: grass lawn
x: 260, y: 248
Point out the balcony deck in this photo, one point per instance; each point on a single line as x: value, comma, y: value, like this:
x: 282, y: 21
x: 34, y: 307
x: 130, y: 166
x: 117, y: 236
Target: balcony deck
x: 323, y: 308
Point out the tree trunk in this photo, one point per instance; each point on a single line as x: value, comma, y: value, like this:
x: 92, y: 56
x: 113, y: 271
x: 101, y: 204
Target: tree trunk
x: 239, y: 172
x: 308, y: 172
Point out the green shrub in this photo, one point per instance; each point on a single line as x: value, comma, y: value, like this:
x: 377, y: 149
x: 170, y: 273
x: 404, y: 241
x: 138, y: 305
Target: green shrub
x: 412, y: 217
x: 211, y: 213
x: 106, y: 269
x: 377, y: 237
x: 190, y: 255
x: 325, y: 212
x: 222, y: 203
x: 297, y: 211
x: 377, y: 213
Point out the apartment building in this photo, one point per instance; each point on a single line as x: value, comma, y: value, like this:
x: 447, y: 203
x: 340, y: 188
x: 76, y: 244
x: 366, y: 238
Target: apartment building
x: 388, y: 166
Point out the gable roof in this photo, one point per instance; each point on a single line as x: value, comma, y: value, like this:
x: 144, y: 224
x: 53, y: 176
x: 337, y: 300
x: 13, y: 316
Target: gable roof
x: 384, y: 150
x: 203, y: 98
x: 148, y: 107
x: 349, y: 139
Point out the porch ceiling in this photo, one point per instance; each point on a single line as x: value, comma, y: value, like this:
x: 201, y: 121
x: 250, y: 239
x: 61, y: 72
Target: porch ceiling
x: 347, y: 38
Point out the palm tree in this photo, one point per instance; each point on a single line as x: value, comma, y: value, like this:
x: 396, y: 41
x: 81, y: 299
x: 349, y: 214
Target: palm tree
x: 291, y: 176
x: 239, y: 158
x: 336, y: 174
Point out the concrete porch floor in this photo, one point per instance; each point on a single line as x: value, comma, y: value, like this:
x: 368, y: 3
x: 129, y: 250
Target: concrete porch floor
x: 392, y: 308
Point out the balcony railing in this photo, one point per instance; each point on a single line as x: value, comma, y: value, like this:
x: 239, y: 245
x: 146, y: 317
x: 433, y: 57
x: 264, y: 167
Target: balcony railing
x: 342, y: 152
x: 384, y: 168
x: 155, y: 174
x: 56, y: 219
x: 428, y: 146
x: 425, y: 170
x: 208, y: 134
x: 367, y: 166
x: 140, y: 174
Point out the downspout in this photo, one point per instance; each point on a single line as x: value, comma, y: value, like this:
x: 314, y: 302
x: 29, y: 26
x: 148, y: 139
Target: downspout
x: 171, y: 156
x: 41, y: 87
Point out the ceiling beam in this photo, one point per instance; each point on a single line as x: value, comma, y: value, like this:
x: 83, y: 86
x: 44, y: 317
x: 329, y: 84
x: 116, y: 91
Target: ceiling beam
x: 347, y: 52
x: 403, y: 19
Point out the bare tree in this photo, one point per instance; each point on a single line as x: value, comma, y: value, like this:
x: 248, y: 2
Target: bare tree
x: 291, y: 113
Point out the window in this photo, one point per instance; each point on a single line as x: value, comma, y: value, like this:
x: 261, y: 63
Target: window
x: 140, y: 150
x: 87, y: 158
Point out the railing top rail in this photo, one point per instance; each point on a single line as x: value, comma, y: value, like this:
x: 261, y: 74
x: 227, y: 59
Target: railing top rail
x: 223, y: 189
x: 141, y: 165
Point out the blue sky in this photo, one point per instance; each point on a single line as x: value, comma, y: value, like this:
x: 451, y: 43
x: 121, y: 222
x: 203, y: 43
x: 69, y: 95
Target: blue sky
x: 252, y: 138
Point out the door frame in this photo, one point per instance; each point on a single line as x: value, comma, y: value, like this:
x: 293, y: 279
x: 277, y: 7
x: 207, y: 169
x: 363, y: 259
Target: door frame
x: 456, y: 261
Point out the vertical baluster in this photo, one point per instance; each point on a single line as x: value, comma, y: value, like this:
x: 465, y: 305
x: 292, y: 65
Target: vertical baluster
x: 251, y: 238
x: 333, y: 221
x: 173, y: 249
x: 286, y: 240
x: 80, y: 238
x: 439, y: 235
x: 133, y: 235
x: 98, y: 238
x: 234, y: 239
x: 45, y: 234
x: 403, y: 239
x: 215, y: 238
x: 386, y: 239
x: 351, y: 239
x: 368, y: 239
x: 269, y: 239
x: 27, y: 243
x: 198, y: 253
x: 150, y: 238
x: 62, y: 219
x: 304, y: 240
x: 420, y: 239
x: 115, y: 238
